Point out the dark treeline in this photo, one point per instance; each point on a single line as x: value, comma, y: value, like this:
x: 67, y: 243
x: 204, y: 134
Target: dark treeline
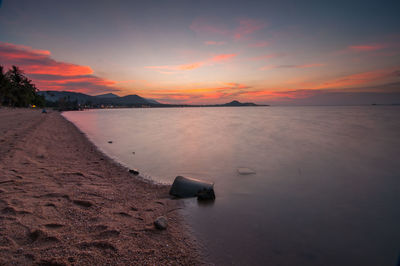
x: 16, y: 90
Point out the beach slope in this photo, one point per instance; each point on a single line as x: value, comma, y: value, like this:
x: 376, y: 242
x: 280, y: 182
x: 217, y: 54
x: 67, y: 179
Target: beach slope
x: 63, y: 202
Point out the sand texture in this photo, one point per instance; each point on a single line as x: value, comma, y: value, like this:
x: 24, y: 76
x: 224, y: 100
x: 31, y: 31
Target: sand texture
x: 62, y: 202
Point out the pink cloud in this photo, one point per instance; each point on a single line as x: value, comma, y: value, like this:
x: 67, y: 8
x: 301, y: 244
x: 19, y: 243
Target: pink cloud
x: 39, y: 61
x: 246, y: 27
x: 49, y: 74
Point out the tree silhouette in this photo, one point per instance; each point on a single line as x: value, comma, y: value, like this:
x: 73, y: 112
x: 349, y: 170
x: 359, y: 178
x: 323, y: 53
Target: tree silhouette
x: 4, y: 86
x: 17, y: 90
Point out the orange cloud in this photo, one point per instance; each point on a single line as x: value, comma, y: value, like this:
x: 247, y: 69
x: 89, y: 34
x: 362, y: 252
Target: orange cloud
x: 367, y: 47
x: 171, y: 68
x: 62, y: 69
x: 223, y: 57
x: 49, y: 74
x: 190, y: 66
x: 198, y: 93
x: 361, y: 78
x: 292, y: 66
x: 236, y: 85
x: 214, y: 43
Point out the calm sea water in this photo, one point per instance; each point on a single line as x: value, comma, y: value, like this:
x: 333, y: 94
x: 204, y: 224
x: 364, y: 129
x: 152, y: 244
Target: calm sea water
x: 326, y: 189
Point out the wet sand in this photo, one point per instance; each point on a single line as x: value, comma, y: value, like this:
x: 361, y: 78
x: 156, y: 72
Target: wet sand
x: 62, y: 202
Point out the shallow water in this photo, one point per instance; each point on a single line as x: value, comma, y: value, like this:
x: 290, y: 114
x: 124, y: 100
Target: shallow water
x: 326, y: 189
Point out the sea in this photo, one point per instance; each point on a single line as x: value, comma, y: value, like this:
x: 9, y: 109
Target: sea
x: 325, y: 187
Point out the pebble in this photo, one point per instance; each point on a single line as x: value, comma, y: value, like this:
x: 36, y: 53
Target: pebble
x: 161, y: 223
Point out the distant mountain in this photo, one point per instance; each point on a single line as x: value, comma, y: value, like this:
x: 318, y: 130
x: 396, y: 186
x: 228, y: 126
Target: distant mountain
x: 115, y: 100
x: 107, y: 95
x: 54, y: 96
x: 103, y: 99
x: 237, y: 103
x: 152, y: 101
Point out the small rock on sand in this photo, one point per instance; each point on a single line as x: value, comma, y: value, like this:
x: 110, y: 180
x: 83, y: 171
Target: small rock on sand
x: 161, y: 223
x: 134, y: 171
x: 245, y: 171
x: 109, y: 141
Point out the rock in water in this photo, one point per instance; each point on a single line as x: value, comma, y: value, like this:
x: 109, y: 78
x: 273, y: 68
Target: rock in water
x: 161, y: 223
x: 206, y: 194
x: 184, y: 187
x: 245, y: 171
x: 134, y: 171
x: 109, y: 141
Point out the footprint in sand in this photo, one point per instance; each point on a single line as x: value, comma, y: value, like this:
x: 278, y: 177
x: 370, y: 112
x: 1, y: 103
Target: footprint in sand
x: 9, y: 211
x: 83, y: 203
x: 41, y: 237
x: 108, y: 234
x: 124, y: 214
x: 54, y: 225
x: 103, y: 245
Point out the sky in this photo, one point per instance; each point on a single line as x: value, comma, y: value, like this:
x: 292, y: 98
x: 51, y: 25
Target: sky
x: 202, y: 52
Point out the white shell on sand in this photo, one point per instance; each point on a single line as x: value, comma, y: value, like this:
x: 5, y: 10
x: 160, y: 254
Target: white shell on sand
x: 245, y: 171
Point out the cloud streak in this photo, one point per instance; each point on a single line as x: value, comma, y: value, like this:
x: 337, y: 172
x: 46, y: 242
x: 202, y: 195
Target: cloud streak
x: 292, y: 66
x: 259, y: 44
x: 361, y: 78
x: 49, y: 74
x: 367, y: 47
x: 214, y: 43
x: 171, y: 69
x: 245, y: 28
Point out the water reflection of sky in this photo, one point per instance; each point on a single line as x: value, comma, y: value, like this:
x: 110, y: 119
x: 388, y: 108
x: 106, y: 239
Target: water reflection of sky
x: 325, y: 188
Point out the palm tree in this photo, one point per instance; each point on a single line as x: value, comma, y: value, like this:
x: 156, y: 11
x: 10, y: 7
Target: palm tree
x: 5, y: 88
x: 17, y: 90
x: 22, y: 91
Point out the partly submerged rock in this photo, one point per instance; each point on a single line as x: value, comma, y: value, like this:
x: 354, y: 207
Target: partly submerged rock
x: 206, y: 194
x: 184, y: 187
x: 245, y: 171
x: 161, y: 223
x: 134, y: 171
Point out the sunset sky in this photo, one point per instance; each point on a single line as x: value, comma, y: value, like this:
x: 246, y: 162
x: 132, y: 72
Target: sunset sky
x: 205, y: 51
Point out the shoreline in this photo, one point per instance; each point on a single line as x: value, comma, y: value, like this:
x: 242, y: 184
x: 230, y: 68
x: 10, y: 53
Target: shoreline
x: 148, y: 179
x: 64, y: 201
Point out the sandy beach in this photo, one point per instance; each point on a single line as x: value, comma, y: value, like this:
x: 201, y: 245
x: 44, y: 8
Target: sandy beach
x: 62, y: 202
